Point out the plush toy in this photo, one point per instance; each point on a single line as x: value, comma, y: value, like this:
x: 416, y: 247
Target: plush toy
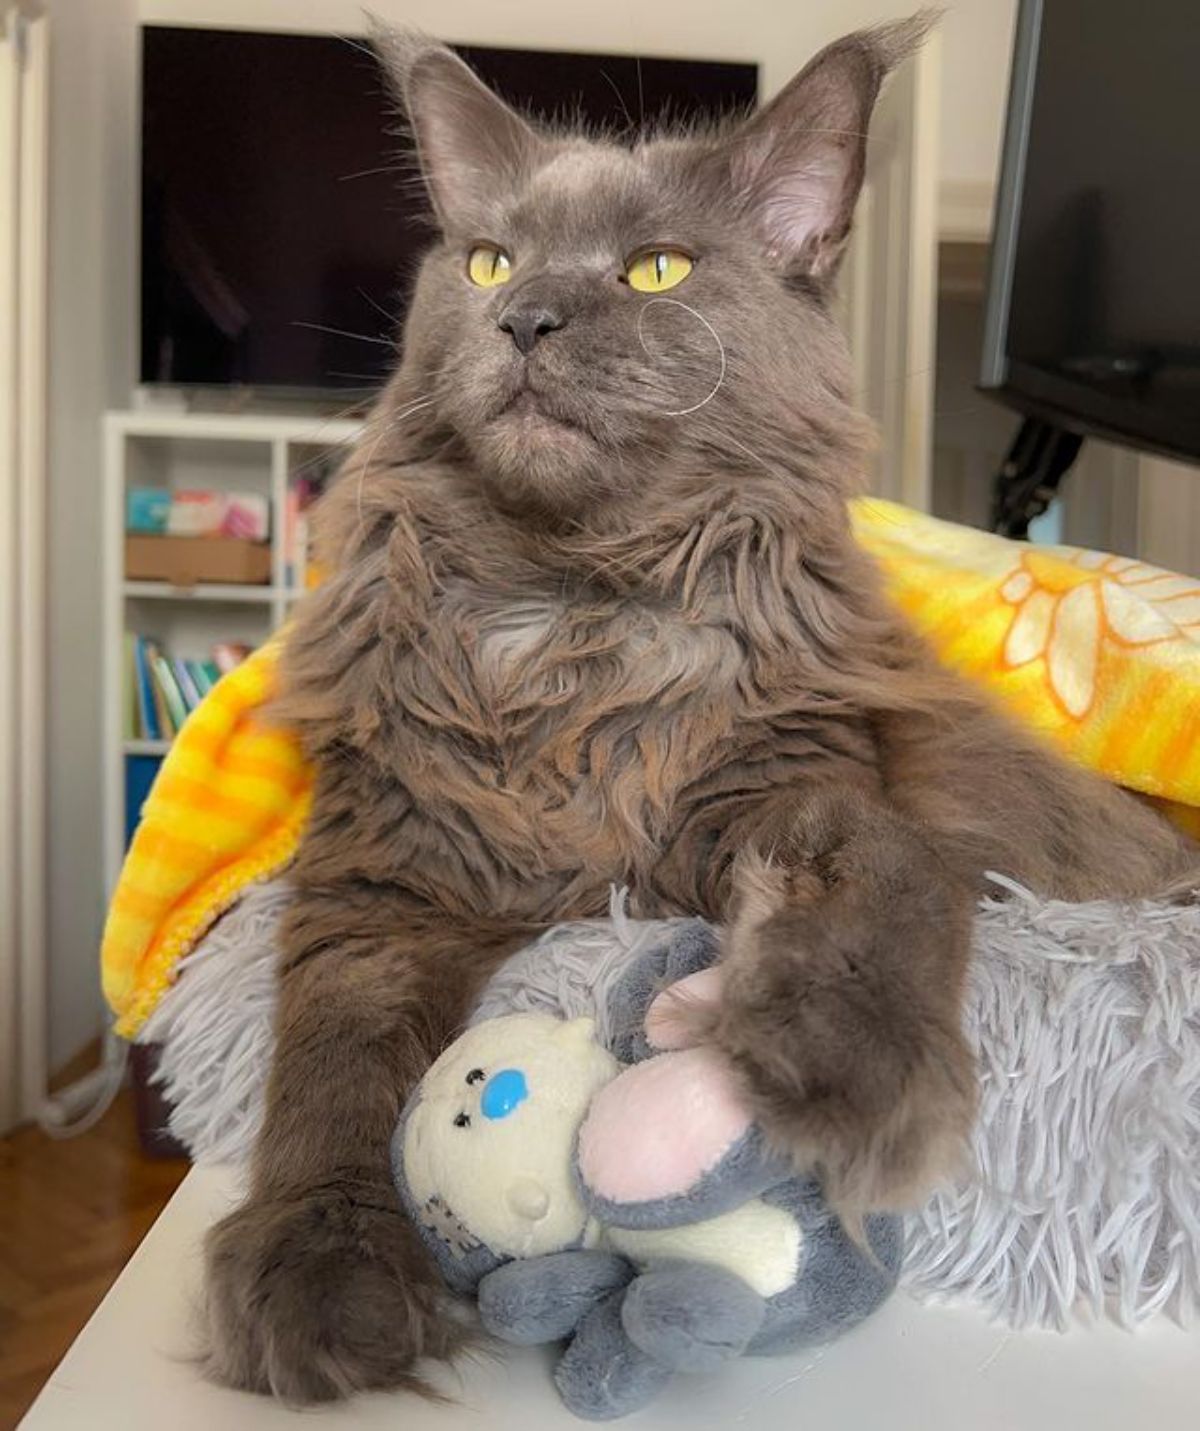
x: 621, y: 1199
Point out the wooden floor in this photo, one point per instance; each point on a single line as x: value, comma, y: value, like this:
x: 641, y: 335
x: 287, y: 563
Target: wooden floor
x: 71, y: 1214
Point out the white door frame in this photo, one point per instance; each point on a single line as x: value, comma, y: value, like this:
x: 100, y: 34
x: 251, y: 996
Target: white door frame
x: 888, y: 294
x: 24, y: 239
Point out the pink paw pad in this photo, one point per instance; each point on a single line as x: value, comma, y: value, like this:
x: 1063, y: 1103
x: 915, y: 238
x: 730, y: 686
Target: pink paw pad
x: 667, y: 1026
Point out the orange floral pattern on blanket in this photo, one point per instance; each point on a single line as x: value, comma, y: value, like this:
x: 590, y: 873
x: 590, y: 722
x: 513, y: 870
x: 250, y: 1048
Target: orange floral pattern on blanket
x: 1071, y: 603
x: 1100, y: 653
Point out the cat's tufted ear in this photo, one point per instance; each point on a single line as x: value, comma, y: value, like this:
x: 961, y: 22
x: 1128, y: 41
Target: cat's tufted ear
x: 797, y: 165
x: 471, y: 145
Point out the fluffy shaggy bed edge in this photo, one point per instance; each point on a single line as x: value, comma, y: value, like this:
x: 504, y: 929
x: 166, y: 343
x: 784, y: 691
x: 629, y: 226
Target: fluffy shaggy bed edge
x: 1086, y: 1021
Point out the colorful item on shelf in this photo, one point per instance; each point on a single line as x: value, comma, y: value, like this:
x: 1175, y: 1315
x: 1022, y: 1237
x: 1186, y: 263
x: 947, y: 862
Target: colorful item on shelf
x: 247, y: 515
x: 1100, y: 653
x: 303, y: 491
x: 147, y: 510
x: 196, y: 514
x: 211, y: 513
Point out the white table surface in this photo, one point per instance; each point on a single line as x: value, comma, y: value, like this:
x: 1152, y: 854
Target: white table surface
x: 910, y: 1368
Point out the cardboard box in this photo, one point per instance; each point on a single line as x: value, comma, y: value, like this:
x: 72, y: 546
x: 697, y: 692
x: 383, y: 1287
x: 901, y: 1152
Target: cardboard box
x: 189, y: 561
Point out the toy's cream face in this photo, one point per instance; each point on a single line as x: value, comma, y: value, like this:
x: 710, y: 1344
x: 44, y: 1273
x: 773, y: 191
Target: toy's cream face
x: 490, y: 1142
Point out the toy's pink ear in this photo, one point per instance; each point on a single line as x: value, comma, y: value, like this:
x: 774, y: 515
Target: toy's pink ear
x: 657, y: 1129
x: 670, y: 1021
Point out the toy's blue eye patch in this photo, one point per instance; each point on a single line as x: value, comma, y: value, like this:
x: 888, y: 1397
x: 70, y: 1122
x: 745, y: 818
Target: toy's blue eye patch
x: 503, y: 1092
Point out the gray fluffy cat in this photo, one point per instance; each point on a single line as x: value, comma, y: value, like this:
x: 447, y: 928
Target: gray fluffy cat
x: 593, y: 615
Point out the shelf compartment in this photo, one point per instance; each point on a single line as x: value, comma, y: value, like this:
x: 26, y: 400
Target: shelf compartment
x: 145, y: 747
x: 203, y: 591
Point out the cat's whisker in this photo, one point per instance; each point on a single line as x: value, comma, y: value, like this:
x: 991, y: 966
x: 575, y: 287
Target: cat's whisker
x: 608, y: 79
x: 326, y: 448
x: 762, y: 462
x: 371, y: 54
x: 395, y: 420
x: 342, y: 333
x: 378, y: 307
x: 379, y: 169
x: 695, y: 312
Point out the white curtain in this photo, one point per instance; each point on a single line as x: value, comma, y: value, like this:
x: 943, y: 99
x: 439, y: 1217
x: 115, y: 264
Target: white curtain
x: 23, y: 266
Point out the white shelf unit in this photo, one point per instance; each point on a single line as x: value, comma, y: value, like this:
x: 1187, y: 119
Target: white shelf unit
x: 228, y: 451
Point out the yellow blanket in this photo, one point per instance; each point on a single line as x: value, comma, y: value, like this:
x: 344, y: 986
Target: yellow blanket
x: 1101, y: 653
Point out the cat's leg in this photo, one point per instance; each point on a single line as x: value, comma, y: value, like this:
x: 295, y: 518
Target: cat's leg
x: 317, y: 1286
x: 845, y: 955
x: 1000, y: 800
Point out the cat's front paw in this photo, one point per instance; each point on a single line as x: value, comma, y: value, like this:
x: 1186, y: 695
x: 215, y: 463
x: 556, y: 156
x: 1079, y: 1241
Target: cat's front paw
x: 847, y: 1067
x: 320, y: 1296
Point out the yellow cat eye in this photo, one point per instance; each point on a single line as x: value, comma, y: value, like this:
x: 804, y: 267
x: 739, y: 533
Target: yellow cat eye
x: 658, y: 270
x: 488, y: 267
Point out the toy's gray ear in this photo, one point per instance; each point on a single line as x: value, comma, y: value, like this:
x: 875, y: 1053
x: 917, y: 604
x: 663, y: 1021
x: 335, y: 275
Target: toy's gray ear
x: 461, y: 1258
x: 687, y: 947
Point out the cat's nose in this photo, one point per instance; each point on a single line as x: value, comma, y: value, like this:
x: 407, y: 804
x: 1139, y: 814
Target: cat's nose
x: 526, y: 323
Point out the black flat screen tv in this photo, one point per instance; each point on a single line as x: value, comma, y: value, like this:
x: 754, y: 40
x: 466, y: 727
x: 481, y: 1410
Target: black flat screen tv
x: 276, y: 206
x: 1093, y: 303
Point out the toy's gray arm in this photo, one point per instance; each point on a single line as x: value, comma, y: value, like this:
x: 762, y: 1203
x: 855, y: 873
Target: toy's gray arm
x: 689, y: 947
x: 543, y: 1299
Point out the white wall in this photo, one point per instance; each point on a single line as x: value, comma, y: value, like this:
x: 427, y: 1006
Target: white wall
x: 1168, y: 516
x: 976, y: 45
x: 781, y: 34
x: 92, y: 316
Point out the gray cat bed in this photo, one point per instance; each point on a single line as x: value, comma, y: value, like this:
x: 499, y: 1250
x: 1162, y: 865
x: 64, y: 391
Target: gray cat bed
x: 1085, y: 1196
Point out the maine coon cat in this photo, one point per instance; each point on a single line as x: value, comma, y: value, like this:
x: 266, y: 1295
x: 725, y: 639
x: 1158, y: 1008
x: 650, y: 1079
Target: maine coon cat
x: 593, y: 616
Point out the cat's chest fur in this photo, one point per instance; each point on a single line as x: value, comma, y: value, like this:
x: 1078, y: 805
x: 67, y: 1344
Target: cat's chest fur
x: 524, y: 652
x: 569, y: 726
x: 504, y: 642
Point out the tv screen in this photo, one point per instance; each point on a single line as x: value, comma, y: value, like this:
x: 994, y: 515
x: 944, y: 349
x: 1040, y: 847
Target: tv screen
x: 1093, y: 312
x: 277, y: 212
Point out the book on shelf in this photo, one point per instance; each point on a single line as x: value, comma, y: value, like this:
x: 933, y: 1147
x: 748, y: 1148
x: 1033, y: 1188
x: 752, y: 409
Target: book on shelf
x: 177, y: 711
x: 162, y: 711
x: 186, y: 682
x: 206, y: 673
x: 148, y: 728
x: 162, y: 690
